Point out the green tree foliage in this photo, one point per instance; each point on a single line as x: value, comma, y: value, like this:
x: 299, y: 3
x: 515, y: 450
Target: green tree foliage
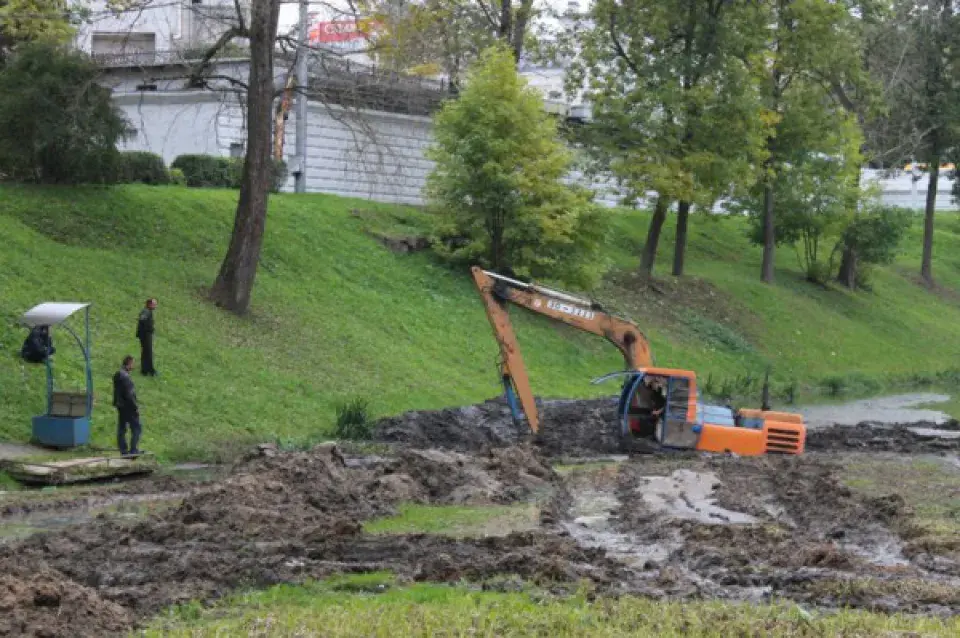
x: 446, y: 36
x: 676, y: 107
x: 497, y: 187
x: 934, y: 31
x: 875, y: 235
x: 57, y: 125
x: 809, y: 42
x: 815, y: 197
x: 33, y: 21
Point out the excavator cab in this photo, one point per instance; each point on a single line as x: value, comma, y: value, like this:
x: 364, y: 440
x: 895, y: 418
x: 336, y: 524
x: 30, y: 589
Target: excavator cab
x: 656, y: 404
x: 685, y: 423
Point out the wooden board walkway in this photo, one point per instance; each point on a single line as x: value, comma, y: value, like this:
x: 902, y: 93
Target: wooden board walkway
x: 77, y: 470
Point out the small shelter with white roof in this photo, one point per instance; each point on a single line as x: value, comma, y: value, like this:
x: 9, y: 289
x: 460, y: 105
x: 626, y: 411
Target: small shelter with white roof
x: 66, y: 422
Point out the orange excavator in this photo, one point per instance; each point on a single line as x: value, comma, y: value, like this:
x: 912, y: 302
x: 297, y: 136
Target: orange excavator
x: 660, y: 406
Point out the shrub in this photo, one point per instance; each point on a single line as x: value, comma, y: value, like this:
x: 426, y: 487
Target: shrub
x: 211, y: 171
x: 353, y: 420
x: 72, y: 138
x: 280, y: 175
x: 876, y: 234
x: 206, y: 171
x: 142, y: 167
x: 177, y: 177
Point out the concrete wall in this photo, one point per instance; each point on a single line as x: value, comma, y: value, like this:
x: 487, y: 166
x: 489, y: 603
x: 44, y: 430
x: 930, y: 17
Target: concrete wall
x: 366, y: 154
x: 172, y: 124
x: 353, y: 153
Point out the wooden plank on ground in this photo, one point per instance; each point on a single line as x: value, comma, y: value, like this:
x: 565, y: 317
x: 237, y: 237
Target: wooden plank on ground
x: 77, y: 470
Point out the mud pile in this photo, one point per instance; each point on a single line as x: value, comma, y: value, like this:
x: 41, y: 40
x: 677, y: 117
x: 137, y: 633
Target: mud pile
x: 285, y: 517
x: 913, y: 438
x: 567, y: 427
x: 46, y: 603
x: 503, y: 475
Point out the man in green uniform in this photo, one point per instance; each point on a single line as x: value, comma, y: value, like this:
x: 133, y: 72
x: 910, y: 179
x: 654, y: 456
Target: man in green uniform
x: 145, y: 335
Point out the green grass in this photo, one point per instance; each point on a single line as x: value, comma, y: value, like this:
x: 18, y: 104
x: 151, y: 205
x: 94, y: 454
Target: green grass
x: 335, y: 316
x: 930, y: 486
x: 457, y: 521
x: 951, y: 407
x: 338, y: 317
x: 375, y: 605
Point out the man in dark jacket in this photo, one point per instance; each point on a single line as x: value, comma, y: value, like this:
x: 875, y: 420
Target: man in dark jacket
x: 145, y: 335
x: 38, y: 345
x: 128, y: 411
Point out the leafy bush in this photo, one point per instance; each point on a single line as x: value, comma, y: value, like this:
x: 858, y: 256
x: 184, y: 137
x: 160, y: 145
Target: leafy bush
x: 142, y: 167
x: 212, y: 171
x: 813, y: 198
x: 353, y: 420
x: 57, y: 124
x: 177, y: 177
x: 280, y: 174
x: 876, y: 233
x: 206, y: 171
x: 498, y: 188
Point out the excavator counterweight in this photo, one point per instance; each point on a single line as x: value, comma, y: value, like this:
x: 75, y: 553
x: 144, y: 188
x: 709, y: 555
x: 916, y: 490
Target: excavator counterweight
x: 661, y: 404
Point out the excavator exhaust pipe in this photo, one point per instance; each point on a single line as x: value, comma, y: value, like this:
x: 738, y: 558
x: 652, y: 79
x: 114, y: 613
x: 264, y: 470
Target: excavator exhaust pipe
x: 765, y: 393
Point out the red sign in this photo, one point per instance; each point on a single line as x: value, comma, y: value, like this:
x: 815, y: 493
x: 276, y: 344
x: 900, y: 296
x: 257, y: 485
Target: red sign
x: 342, y: 30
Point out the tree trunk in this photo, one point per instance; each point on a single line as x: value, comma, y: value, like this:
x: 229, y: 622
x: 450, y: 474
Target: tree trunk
x: 653, y: 236
x: 848, y: 262
x: 680, y: 245
x: 234, y: 284
x: 848, y: 268
x: 769, y: 235
x: 926, y: 265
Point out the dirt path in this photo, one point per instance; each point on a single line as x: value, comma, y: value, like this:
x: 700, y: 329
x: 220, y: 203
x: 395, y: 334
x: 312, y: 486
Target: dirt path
x: 18, y: 450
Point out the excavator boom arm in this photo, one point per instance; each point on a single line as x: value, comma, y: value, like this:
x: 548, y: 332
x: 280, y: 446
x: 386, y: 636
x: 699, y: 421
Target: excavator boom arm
x: 496, y: 291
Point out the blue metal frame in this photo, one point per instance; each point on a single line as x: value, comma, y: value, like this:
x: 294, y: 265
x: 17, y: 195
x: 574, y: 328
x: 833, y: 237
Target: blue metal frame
x: 626, y: 396
x: 88, y: 370
x: 66, y: 432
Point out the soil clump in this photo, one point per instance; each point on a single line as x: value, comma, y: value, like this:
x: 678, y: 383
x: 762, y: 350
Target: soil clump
x: 282, y: 517
x: 876, y: 437
x: 567, y: 427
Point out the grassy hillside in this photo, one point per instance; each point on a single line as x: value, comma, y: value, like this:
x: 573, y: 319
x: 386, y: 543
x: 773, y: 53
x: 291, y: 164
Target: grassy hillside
x: 336, y: 315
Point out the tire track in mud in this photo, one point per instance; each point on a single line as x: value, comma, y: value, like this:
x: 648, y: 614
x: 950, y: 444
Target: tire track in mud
x: 756, y: 529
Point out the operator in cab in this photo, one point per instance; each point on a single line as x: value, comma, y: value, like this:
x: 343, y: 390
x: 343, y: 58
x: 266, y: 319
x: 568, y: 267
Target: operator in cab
x: 652, y: 396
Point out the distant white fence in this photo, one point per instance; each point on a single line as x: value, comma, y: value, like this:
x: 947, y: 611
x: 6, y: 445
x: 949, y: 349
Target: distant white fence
x: 368, y: 154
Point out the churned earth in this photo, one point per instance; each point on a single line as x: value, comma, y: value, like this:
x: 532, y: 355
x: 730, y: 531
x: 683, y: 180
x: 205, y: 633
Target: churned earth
x: 828, y: 529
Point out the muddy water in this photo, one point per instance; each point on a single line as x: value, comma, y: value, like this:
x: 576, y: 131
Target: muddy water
x: 900, y: 408
x: 687, y: 495
x: 591, y: 524
x: 119, y: 507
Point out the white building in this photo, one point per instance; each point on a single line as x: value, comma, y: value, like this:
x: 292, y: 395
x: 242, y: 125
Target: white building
x: 156, y: 26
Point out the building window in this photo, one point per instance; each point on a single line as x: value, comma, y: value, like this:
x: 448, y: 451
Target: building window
x: 236, y: 149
